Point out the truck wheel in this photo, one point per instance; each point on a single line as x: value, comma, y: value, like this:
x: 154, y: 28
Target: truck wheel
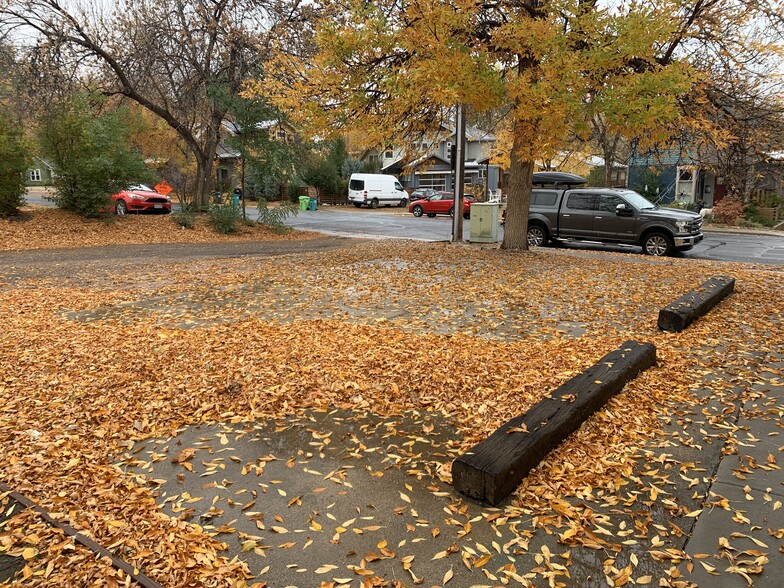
x: 418, y: 210
x: 537, y: 236
x: 358, y: 204
x: 658, y: 244
x: 374, y: 203
x: 403, y: 202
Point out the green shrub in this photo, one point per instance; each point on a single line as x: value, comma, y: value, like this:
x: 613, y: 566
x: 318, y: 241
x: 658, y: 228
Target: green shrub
x: 13, y: 164
x: 649, y: 184
x: 225, y: 217
x: 754, y: 218
x: 274, y: 217
x: 93, y: 156
x: 184, y: 218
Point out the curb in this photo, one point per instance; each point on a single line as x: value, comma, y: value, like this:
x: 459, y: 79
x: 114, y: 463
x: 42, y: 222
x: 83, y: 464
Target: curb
x: 743, y: 231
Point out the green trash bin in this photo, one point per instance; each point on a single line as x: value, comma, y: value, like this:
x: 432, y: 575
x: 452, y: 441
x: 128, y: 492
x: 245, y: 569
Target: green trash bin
x: 312, y: 204
x: 303, y: 202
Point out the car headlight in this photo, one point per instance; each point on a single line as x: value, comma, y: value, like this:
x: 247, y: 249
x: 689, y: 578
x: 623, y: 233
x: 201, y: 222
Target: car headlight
x: 683, y: 226
x: 136, y: 196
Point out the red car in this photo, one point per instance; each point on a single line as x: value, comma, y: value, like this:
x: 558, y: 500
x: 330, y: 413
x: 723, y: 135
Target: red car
x: 440, y: 203
x: 141, y: 198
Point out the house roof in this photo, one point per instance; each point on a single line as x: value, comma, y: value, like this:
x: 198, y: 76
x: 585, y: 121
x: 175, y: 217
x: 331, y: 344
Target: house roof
x: 477, y: 134
x: 48, y: 164
x: 224, y: 152
x: 396, y: 163
x: 235, y: 128
x: 432, y: 160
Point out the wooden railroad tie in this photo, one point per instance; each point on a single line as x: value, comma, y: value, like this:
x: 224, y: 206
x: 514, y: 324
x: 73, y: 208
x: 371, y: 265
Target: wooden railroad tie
x: 493, y: 468
x: 678, y: 315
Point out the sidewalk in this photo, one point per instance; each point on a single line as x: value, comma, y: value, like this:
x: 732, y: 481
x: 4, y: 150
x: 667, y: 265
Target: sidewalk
x: 736, y: 539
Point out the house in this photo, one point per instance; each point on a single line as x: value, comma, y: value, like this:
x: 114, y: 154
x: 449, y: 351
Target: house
x: 430, y: 166
x: 675, y: 176
x: 41, y: 174
x: 228, y: 169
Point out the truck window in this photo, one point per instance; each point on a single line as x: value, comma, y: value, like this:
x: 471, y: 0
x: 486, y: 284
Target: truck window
x: 546, y: 198
x: 608, y: 202
x: 581, y: 202
x: 357, y: 185
x: 398, y: 187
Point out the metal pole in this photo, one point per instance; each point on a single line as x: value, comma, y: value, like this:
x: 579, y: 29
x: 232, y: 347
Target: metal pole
x: 457, y: 221
x: 242, y: 186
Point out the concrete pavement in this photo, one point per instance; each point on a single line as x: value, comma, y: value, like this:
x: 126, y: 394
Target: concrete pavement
x: 737, y: 537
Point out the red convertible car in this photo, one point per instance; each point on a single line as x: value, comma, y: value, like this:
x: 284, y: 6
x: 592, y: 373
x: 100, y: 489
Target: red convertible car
x: 141, y: 198
x: 440, y: 203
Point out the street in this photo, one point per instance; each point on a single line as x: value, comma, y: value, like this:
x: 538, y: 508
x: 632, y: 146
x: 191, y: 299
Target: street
x: 744, y: 246
x: 719, y: 245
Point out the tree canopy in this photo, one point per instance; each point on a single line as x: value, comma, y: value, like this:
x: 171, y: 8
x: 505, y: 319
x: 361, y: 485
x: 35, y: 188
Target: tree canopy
x: 174, y: 58
x: 397, y: 70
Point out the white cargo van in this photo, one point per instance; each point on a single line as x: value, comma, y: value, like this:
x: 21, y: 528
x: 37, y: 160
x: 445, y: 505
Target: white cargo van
x: 376, y: 190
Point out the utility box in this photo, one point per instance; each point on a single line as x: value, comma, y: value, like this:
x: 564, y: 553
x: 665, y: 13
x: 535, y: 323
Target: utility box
x: 484, y: 222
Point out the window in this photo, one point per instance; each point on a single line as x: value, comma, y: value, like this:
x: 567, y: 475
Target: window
x: 548, y: 198
x: 388, y: 154
x: 607, y: 202
x: 356, y: 185
x: 685, y: 184
x: 398, y: 187
x: 449, y: 151
x: 434, y: 181
x: 35, y: 175
x: 281, y: 134
x: 581, y: 202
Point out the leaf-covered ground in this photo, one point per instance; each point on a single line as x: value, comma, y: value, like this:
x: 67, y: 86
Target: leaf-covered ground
x: 455, y: 340
x: 53, y: 228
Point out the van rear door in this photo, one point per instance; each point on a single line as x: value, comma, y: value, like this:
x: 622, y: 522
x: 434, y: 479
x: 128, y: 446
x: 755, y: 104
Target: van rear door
x: 356, y: 190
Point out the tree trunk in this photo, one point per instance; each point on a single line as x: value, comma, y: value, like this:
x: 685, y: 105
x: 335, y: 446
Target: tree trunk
x: 201, y: 199
x: 608, y: 168
x: 205, y: 159
x: 609, y: 151
x: 521, y: 171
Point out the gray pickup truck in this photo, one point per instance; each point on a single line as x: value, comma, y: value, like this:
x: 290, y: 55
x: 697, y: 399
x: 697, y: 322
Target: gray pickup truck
x: 606, y: 215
